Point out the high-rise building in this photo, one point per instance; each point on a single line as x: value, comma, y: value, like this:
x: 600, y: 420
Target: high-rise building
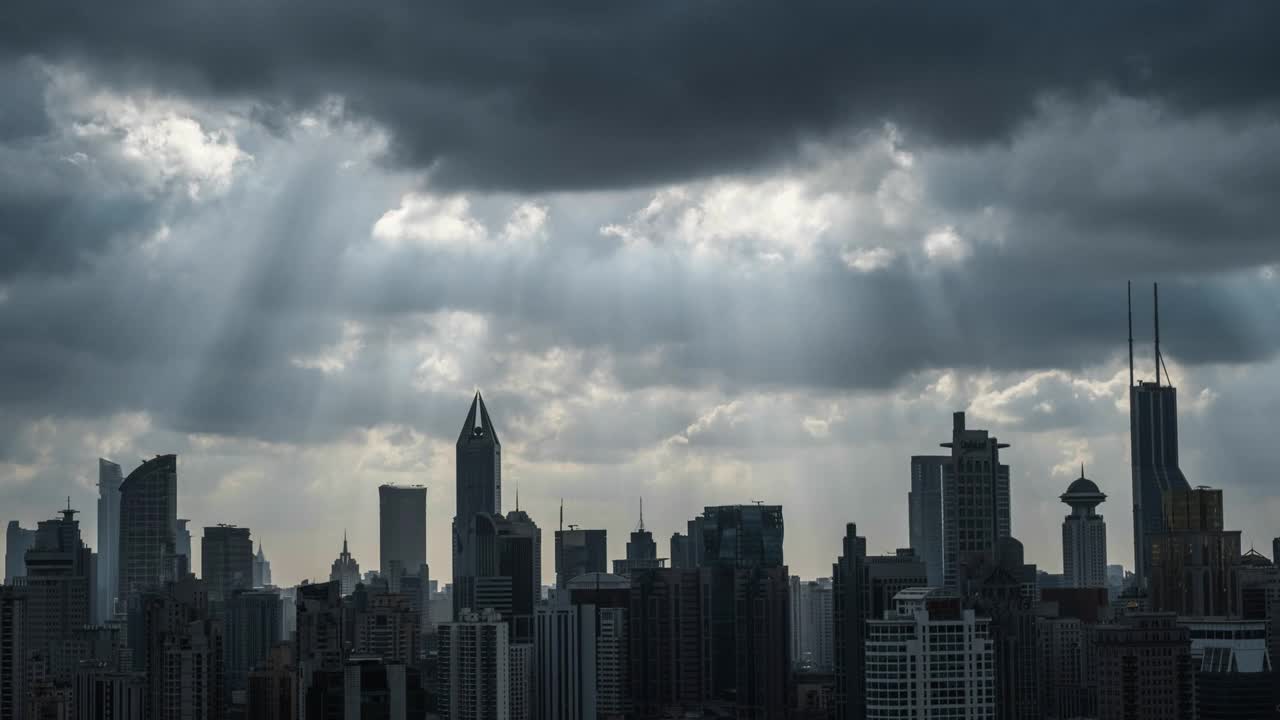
x: 13, y: 652
x: 680, y: 551
x: 253, y: 619
x: 1084, y: 536
x: 924, y: 512
x: 580, y: 650
x: 226, y: 560
x: 18, y: 540
x: 374, y: 689
x: 748, y: 614
x: 478, y: 486
x: 1193, y: 560
x: 668, y: 646
x: 1068, y: 680
x: 1004, y: 590
x: 863, y: 588
x: 975, y: 499
x: 321, y: 645
x: 181, y: 651
x: 108, y: 574
x: 1144, y: 669
x: 59, y: 588
x: 261, y: 569
x: 521, y: 681
x: 182, y: 548
x: 930, y: 658
x: 148, y: 527
x: 345, y: 570
x: 1153, y: 447
x: 402, y: 531
x: 473, y: 668
x: 579, y: 552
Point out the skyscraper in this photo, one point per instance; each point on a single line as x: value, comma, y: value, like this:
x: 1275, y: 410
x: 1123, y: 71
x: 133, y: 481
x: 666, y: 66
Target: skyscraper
x: 642, y: 551
x: 108, y: 575
x: 226, y: 560
x: 924, y: 512
x: 668, y: 648
x: 59, y: 592
x: 18, y: 540
x: 345, y: 570
x: 148, y: 527
x: 1153, y: 447
x: 402, y: 531
x: 975, y: 499
x: 1084, y: 536
x: 478, y: 485
x: 253, y: 619
x: 579, y: 552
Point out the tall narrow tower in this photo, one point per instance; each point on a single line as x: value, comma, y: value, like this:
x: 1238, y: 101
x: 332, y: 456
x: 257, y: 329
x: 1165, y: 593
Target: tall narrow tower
x: 479, y: 492
x: 1084, y: 536
x: 1153, y: 447
x: 108, y: 573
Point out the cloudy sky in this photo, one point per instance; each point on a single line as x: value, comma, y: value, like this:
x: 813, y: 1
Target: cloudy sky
x: 699, y: 253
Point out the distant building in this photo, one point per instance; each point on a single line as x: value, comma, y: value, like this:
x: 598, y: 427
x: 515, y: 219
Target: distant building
x: 226, y: 560
x: 642, y: 551
x: 580, y: 645
x: 924, y: 512
x: 385, y: 626
x: 148, y: 527
x: 521, y: 680
x: 345, y: 570
x: 579, y: 552
x: 402, y: 531
x: 261, y: 569
x: 668, y: 644
x: 812, y: 636
x: 273, y: 686
x: 101, y: 691
x: 1144, y: 669
x: 1193, y: 560
x: 473, y: 668
x: 182, y: 548
x: 1084, y: 536
x: 975, y: 497
x: 322, y: 639
x: 108, y: 574
x: 182, y: 651
x: 18, y: 540
x: 1003, y: 589
x: 680, y: 551
x: 373, y: 689
x: 929, y: 659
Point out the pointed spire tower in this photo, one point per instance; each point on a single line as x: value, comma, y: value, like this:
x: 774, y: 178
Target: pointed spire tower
x: 478, y: 492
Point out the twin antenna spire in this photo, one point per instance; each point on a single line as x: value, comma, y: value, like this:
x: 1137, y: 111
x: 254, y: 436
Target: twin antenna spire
x: 1159, y: 358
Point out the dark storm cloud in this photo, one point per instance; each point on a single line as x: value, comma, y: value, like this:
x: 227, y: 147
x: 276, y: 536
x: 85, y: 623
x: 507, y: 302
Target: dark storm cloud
x: 586, y: 95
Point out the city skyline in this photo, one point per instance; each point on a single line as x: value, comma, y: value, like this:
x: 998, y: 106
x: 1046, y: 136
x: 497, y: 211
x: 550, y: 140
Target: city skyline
x: 684, y: 265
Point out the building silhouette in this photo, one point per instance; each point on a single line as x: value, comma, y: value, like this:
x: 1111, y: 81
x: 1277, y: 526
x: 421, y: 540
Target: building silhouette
x: 929, y: 658
x: 1084, y: 536
x: 108, y: 571
x: 975, y: 499
x: 402, y: 531
x: 924, y: 512
x: 1153, y: 446
x: 1234, y: 674
x: 642, y: 551
x: 579, y: 552
x: 1144, y: 669
x: 18, y: 540
x: 478, y: 486
x: 812, y: 635
x: 384, y: 625
x: 148, y: 527
x: 252, y: 624
x: 668, y: 648
x: 59, y: 589
x: 226, y: 560
x: 345, y: 570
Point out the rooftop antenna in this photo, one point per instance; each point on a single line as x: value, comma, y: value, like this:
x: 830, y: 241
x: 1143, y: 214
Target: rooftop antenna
x: 562, y: 513
x: 1155, y: 294
x: 1129, y: 290
x: 641, y: 514
x: 517, y: 494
